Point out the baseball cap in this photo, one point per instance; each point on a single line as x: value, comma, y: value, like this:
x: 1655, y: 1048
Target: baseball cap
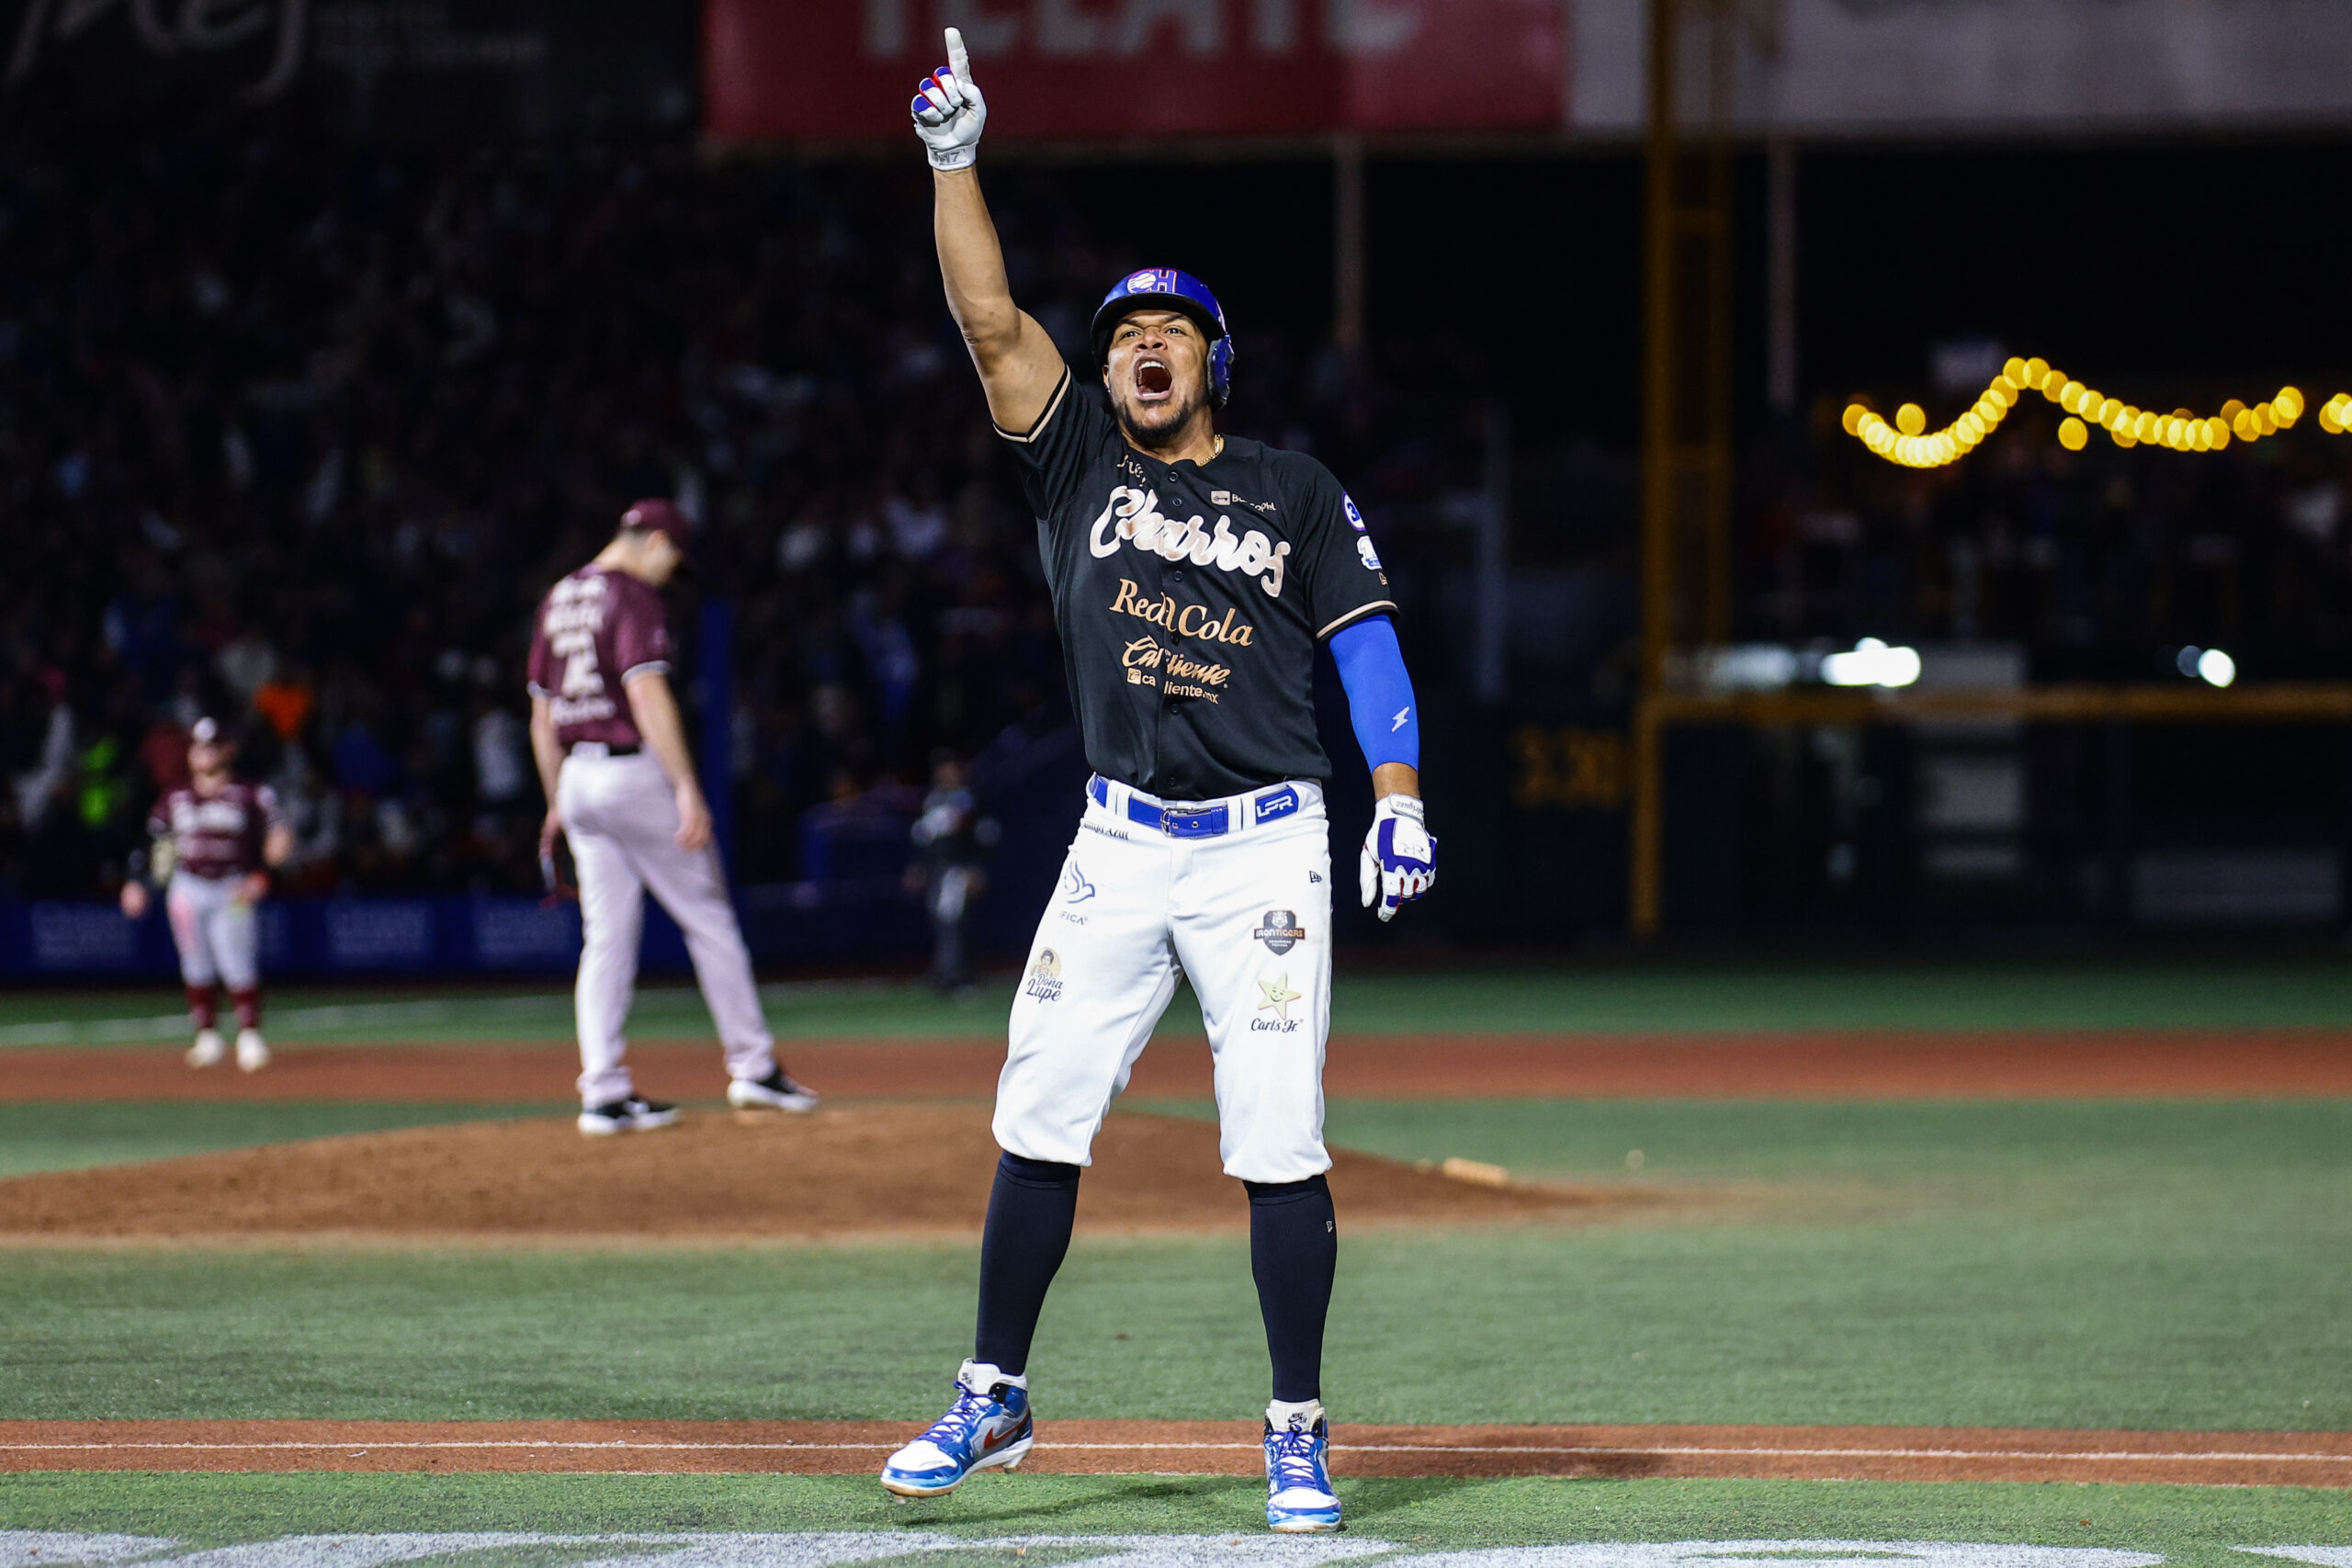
x: 661, y: 515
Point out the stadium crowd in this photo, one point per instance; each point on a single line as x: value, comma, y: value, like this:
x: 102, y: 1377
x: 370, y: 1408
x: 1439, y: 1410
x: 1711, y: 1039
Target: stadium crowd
x: 298, y: 433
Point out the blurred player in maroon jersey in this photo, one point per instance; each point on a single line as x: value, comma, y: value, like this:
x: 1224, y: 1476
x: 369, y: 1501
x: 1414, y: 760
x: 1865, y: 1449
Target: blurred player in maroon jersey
x: 214, y: 838
x: 621, y: 791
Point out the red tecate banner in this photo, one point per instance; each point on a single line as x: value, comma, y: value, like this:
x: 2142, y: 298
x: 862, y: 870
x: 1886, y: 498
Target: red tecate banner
x: 1138, y: 68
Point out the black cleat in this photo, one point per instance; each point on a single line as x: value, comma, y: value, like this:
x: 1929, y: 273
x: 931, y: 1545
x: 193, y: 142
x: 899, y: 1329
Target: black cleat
x: 635, y: 1114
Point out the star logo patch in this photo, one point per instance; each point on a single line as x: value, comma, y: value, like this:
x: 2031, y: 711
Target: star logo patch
x: 1278, y: 996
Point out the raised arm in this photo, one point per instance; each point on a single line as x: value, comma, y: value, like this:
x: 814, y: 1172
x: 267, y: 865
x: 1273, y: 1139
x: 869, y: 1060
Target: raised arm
x: 1019, y: 365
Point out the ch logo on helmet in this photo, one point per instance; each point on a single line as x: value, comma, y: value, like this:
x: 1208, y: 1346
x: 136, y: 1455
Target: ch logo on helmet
x: 1281, y: 931
x: 1198, y: 302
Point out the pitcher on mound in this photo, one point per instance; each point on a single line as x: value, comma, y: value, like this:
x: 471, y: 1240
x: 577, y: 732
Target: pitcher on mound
x: 1193, y: 577
x: 621, y: 792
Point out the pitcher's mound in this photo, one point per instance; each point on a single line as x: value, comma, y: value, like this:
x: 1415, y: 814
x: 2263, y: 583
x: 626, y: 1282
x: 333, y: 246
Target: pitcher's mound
x: 855, y: 1171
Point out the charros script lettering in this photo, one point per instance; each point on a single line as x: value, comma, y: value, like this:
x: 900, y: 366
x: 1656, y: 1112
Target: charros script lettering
x: 1134, y: 516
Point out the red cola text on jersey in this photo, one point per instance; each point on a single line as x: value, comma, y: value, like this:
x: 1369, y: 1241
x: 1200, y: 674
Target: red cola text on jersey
x: 1190, y: 597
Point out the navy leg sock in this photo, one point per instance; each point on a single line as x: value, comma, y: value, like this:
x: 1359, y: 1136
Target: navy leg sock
x: 1030, y: 1211
x: 1293, y: 1250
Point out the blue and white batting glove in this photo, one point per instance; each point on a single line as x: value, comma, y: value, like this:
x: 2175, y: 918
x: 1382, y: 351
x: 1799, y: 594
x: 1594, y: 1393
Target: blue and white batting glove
x: 1399, y: 861
x: 949, y: 110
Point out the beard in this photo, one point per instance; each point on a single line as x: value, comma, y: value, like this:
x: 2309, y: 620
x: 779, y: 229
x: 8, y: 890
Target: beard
x: 1168, y: 420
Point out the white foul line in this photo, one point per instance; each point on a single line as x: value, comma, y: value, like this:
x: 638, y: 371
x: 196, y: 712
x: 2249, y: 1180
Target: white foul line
x: 1596, y: 1452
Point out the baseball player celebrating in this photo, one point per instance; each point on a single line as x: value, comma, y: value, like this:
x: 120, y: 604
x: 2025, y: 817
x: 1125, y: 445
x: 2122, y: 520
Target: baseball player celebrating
x: 1193, y: 576
x: 211, y: 841
x: 621, y: 792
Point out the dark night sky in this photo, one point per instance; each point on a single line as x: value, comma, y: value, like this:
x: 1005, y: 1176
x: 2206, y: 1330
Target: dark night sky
x: 2218, y: 260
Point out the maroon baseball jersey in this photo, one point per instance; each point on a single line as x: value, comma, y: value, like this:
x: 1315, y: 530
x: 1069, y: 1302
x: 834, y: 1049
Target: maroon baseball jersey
x: 219, y: 835
x: 597, y: 629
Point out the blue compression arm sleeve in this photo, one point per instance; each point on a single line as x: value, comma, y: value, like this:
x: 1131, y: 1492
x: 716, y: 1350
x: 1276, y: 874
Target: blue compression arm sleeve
x: 1380, y: 694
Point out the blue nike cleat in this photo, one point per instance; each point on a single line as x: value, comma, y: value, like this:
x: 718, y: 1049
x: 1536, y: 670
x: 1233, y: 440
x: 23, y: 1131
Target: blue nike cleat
x: 1299, y: 1500
x: 986, y: 1428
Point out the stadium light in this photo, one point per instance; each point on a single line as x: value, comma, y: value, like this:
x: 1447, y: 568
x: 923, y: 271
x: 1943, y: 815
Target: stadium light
x: 1873, y: 663
x: 1906, y: 439
x: 2216, y: 667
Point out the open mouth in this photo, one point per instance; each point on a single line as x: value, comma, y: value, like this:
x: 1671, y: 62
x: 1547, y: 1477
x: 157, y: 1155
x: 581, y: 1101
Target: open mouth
x: 1154, y: 380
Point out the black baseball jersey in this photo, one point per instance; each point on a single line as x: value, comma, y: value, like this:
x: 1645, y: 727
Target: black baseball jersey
x: 1190, y: 597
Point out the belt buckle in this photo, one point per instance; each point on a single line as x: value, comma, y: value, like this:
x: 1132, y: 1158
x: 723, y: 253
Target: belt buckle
x: 1192, y: 822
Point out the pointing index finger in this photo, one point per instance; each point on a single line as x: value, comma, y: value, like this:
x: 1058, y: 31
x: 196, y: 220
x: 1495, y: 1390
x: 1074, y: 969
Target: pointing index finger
x: 958, y: 61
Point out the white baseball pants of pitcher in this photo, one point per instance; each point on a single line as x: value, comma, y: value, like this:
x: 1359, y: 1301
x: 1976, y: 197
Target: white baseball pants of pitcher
x: 621, y: 818
x: 213, y: 925
x: 1245, y: 913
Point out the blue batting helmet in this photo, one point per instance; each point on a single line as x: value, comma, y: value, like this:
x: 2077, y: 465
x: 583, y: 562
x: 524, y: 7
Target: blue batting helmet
x: 1170, y: 290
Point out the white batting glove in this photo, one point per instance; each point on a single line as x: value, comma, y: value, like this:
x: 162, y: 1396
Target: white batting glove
x: 1399, y: 861
x: 949, y: 110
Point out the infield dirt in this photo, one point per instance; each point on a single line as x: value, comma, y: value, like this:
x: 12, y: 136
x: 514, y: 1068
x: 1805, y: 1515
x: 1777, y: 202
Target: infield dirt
x: 862, y: 1170
x: 1194, y: 1448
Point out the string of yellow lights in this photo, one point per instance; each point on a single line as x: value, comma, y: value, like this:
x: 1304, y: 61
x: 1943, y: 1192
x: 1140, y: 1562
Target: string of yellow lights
x: 1908, y: 441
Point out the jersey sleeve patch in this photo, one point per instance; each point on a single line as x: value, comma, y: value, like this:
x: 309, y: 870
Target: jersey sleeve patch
x: 639, y: 629
x: 1345, y: 580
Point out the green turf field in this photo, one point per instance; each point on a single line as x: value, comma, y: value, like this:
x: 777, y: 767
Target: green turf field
x: 1659, y: 998
x: 2193, y: 1525
x: 2128, y: 1264
x: 2043, y: 1264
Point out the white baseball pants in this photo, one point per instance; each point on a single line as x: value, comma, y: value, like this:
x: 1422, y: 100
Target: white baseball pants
x: 213, y: 925
x: 1246, y: 914
x: 621, y: 818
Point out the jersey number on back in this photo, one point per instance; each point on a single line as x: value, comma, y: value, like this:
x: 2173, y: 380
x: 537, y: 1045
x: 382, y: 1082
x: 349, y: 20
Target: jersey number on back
x: 582, y: 676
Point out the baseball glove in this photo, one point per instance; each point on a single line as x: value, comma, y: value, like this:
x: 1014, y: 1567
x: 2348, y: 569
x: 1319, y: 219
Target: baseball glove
x: 557, y: 871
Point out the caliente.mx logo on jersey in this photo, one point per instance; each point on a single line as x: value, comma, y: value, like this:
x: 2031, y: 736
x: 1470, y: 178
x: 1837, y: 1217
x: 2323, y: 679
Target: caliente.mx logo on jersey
x: 1132, y: 516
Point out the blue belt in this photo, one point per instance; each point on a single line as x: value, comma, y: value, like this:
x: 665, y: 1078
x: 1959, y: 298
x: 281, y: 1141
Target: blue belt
x: 1195, y: 821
